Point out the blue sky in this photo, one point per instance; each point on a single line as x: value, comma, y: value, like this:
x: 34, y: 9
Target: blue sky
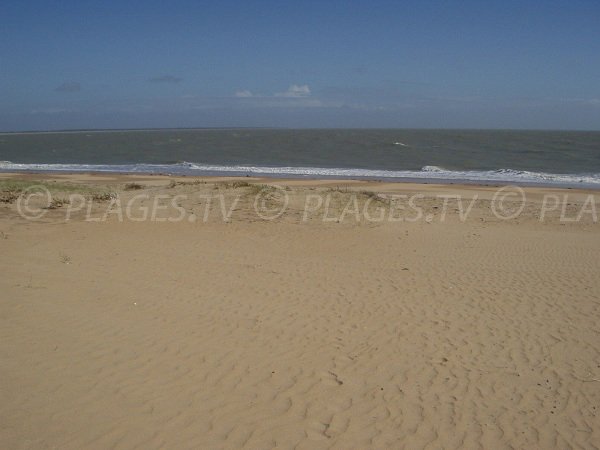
x: 440, y: 64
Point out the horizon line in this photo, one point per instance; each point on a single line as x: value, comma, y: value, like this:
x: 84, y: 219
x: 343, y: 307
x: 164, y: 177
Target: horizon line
x: 109, y: 130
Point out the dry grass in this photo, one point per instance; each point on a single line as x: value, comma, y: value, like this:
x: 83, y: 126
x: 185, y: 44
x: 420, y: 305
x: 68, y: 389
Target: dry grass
x: 133, y: 187
x: 174, y: 183
x: 57, y: 203
x: 341, y: 189
x: 380, y: 198
x: 10, y: 190
x: 103, y: 196
x: 8, y: 197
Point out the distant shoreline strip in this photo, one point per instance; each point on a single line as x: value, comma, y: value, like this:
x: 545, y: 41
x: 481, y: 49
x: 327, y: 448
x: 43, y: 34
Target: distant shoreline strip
x: 427, y: 173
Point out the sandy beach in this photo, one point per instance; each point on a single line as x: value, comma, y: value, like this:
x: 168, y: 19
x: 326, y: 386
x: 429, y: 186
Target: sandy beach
x: 159, y: 312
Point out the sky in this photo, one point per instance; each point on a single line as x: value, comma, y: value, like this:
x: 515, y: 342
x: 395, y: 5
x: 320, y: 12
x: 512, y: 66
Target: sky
x: 401, y: 64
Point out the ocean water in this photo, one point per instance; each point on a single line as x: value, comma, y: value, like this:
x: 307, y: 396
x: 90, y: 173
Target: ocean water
x: 529, y: 157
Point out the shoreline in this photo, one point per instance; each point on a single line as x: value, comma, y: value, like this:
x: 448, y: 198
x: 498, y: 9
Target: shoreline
x: 385, y: 184
x: 586, y: 187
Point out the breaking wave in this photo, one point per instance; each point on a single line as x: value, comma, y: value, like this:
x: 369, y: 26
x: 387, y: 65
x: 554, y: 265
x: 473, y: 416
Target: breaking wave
x: 427, y: 173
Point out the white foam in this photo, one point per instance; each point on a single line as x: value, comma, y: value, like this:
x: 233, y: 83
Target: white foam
x: 426, y: 173
x: 432, y: 169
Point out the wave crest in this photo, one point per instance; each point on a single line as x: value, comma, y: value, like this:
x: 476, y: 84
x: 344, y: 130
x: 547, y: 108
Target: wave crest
x: 426, y: 173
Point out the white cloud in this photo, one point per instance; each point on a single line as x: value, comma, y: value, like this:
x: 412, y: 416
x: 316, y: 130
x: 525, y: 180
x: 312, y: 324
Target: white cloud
x: 295, y: 91
x: 244, y: 94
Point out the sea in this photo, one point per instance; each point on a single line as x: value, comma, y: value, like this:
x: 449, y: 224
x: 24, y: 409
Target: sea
x: 551, y: 158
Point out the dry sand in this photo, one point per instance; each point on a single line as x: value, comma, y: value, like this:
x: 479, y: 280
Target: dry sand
x: 299, y: 334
